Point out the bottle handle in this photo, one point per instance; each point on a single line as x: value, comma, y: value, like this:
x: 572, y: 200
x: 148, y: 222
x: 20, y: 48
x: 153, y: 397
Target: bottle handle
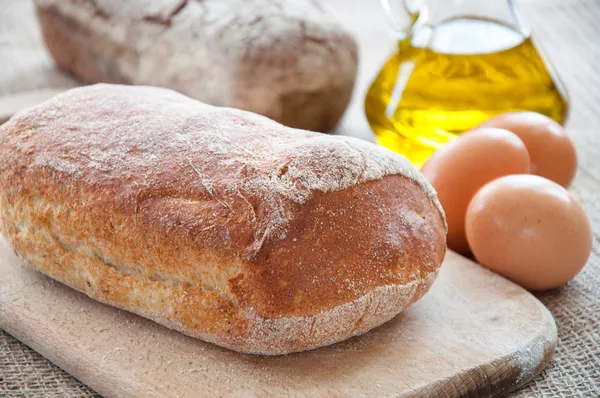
x: 412, y: 8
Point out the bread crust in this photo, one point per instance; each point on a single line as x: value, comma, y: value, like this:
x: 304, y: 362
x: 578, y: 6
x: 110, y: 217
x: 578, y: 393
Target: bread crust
x: 217, y: 222
x: 286, y: 59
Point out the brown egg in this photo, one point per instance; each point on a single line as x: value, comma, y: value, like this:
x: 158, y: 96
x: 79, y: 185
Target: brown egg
x: 461, y: 167
x: 529, y: 229
x: 551, y: 150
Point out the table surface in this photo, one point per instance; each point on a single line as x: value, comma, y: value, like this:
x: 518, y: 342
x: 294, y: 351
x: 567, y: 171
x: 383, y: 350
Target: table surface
x: 568, y: 31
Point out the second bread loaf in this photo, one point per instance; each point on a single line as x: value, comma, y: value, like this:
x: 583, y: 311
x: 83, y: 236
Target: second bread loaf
x: 286, y: 59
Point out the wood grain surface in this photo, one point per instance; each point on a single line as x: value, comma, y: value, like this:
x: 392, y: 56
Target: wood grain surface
x: 475, y: 334
x: 569, y: 32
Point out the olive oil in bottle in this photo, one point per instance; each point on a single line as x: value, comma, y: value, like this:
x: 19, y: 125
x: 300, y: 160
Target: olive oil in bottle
x: 447, y: 79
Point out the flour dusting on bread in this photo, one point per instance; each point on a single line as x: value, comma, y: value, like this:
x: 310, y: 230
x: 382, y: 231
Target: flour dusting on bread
x: 279, y: 168
x: 217, y: 222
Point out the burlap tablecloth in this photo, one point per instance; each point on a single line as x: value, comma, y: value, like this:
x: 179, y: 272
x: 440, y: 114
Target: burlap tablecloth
x: 569, y: 30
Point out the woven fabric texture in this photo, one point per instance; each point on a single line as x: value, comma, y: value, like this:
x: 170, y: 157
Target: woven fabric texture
x: 569, y: 32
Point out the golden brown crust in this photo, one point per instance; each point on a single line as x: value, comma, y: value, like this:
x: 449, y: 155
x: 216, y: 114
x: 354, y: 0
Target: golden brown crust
x: 216, y: 222
x: 344, y: 244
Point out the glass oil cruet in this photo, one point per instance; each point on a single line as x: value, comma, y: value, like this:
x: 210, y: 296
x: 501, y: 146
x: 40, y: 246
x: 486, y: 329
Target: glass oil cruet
x: 457, y: 64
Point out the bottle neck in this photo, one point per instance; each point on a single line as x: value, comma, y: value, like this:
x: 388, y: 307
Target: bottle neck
x: 434, y: 12
x: 466, y: 26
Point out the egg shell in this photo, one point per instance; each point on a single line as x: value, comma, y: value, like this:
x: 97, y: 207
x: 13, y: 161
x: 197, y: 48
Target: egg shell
x: 530, y: 230
x: 460, y: 168
x: 551, y: 150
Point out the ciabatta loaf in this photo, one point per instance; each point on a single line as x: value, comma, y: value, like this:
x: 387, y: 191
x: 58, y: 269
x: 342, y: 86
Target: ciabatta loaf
x: 217, y: 222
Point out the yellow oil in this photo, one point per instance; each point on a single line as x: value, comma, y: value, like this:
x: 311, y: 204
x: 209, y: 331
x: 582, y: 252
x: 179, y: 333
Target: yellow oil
x: 448, y: 79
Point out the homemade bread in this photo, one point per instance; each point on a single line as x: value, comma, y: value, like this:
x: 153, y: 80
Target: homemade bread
x: 289, y: 60
x: 217, y: 222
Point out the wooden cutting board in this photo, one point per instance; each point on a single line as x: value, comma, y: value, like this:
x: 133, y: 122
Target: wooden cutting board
x: 474, y: 334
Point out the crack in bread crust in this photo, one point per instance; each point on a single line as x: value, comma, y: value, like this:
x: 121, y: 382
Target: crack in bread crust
x: 43, y: 220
